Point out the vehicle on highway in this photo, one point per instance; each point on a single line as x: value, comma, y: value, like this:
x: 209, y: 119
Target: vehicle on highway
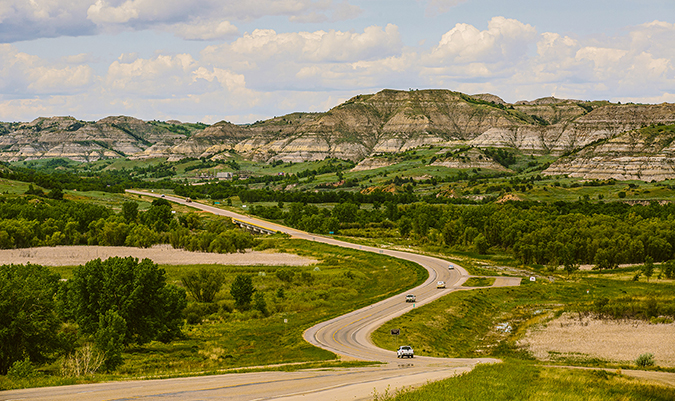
x: 163, y: 196
x: 405, y: 351
x: 451, y: 267
x: 188, y: 200
x: 410, y: 298
x: 440, y: 284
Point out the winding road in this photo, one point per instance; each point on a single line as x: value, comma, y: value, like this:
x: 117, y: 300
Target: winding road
x: 347, y: 335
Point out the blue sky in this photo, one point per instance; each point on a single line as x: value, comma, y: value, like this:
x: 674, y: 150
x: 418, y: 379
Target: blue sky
x: 241, y: 61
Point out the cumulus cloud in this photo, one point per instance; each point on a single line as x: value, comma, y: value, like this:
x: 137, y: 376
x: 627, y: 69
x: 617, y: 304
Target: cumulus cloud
x: 204, y: 30
x: 25, y: 74
x: 505, y: 40
x: 25, y: 20
x: 318, y: 46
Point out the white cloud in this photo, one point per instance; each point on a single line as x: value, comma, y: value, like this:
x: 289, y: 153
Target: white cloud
x: 318, y: 46
x: 505, y: 40
x: 103, y: 13
x: 21, y: 73
x: 204, y: 30
x: 29, y: 19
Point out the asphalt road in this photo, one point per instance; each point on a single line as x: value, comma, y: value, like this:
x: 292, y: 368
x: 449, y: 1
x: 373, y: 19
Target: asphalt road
x: 347, y: 336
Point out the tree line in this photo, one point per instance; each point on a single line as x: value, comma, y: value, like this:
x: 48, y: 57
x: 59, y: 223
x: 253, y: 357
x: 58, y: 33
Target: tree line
x: 560, y: 233
x: 33, y: 221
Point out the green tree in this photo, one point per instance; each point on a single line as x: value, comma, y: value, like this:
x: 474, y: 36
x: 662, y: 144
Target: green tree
x: 480, y: 244
x: 55, y: 193
x: 668, y: 269
x: 203, y: 284
x: 141, y: 236
x: 130, y: 211
x: 648, y: 267
x: 259, y: 302
x: 137, y: 292
x: 28, y: 321
x: 242, y: 291
x: 110, y: 339
x: 404, y: 226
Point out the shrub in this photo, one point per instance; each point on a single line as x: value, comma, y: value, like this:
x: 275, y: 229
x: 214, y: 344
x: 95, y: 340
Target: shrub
x: 286, y: 275
x: 22, y: 370
x: 622, y: 194
x: 85, y: 361
x: 644, y: 360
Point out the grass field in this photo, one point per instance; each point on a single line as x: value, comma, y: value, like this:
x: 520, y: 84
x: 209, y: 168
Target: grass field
x: 518, y: 380
x: 488, y: 322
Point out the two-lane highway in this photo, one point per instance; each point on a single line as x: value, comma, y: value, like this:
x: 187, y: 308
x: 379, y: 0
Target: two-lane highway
x: 347, y: 336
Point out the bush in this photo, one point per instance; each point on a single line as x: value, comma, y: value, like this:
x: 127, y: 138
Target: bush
x: 622, y: 194
x: 286, y: 275
x: 22, y: 370
x: 645, y: 360
x: 203, y: 284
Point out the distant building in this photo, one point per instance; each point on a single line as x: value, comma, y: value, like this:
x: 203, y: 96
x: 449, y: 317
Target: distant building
x: 224, y: 175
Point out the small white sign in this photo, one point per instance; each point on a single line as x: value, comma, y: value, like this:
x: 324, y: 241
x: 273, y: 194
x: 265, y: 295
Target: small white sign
x: 533, y: 278
x: 285, y: 320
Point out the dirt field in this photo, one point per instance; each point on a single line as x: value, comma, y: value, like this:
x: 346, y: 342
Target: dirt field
x: 618, y: 341
x: 160, y: 254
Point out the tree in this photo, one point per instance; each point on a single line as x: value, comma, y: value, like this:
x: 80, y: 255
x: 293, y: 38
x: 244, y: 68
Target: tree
x: 130, y: 211
x: 260, y: 303
x: 137, y: 292
x: 55, y: 193
x: 570, y: 267
x: 204, y: 284
x: 481, y: 244
x: 648, y: 267
x: 28, y: 321
x: 668, y: 269
x: 110, y: 339
x: 242, y: 291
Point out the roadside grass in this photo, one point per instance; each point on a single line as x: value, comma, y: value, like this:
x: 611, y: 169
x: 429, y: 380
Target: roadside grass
x: 222, y: 337
x: 517, y: 380
x: 488, y: 322
x: 479, y: 282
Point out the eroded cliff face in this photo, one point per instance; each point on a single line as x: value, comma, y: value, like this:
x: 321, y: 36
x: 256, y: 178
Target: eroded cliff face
x: 367, y: 125
x: 646, y: 154
x: 78, y: 140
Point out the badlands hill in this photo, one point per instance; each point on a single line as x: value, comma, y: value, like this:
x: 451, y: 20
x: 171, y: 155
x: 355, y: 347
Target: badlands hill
x: 388, y: 121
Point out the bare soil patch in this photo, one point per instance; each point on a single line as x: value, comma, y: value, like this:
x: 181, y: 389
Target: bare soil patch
x: 617, y: 341
x: 160, y: 254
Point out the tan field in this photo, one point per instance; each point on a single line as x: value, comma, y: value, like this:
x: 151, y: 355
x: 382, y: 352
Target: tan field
x: 160, y: 254
x: 616, y: 341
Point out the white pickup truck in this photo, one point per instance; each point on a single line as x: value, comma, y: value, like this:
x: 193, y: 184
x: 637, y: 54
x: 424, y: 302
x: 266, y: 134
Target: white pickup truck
x: 405, y: 351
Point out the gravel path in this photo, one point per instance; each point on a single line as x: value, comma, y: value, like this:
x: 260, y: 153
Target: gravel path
x: 160, y: 254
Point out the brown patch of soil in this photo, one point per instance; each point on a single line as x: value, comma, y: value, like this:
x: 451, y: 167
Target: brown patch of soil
x: 160, y: 254
x: 611, y: 340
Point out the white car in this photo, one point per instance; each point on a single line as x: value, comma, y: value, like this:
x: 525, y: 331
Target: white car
x: 451, y: 267
x: 405, y: 351
x: 410, y: 298
x: 440, y: 284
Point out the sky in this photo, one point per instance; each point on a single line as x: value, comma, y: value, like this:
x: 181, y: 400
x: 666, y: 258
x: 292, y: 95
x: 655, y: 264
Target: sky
x: 248, y: 60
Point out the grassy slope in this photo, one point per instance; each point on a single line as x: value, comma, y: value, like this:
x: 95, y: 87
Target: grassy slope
x: 515, y: 380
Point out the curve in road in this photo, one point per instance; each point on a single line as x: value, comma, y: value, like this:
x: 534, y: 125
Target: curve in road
x: 347, y: 336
